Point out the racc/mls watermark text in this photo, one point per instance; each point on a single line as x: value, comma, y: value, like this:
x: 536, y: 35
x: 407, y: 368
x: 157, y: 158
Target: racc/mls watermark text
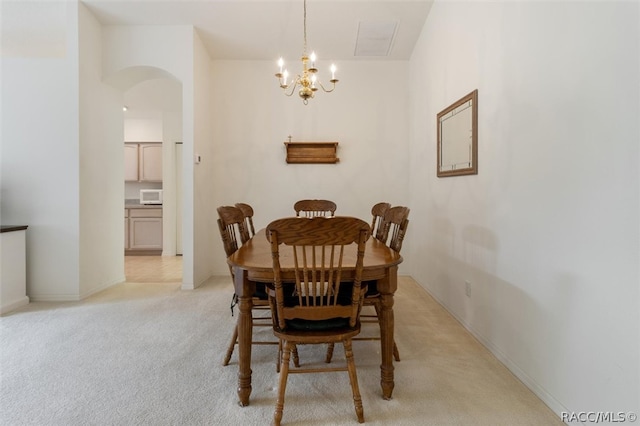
x: 599, y: 417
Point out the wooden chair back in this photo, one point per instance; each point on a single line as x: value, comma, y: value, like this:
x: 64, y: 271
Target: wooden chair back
x: 234, y: 223
x: 317, y: 247
x: 396, y: 221
x: 377, y: 223
x: 233, y: 231
x: 314, y: 208
x: 247, y: 211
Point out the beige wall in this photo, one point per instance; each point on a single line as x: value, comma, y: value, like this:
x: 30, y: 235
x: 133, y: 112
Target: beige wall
x: 547, y: 233
x: 251, y: 119
x: 40, y: 169
x: 101, y: 166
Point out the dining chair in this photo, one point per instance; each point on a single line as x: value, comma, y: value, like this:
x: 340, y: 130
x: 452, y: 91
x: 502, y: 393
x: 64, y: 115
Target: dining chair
x: 313, y: 208
x: 394, y: 223
x: 234, y: 233
x: 247, y: 212
x: 377, y: 223
x: 312, y: 310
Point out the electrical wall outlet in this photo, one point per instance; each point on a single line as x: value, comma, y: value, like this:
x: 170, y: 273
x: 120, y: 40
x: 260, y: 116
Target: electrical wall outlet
x: 467, y: 288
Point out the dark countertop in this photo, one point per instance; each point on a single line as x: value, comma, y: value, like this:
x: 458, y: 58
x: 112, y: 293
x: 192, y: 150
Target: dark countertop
x: 135, y: 204
x: 11, y: 228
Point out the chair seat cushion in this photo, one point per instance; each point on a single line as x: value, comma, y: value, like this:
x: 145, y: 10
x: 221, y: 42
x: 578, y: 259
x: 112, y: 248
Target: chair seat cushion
x: 261, y: 292
x: 372, y: 288
x: 307, y: 325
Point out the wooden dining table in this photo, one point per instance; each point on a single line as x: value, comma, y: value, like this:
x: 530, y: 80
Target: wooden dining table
x: 252, y: 263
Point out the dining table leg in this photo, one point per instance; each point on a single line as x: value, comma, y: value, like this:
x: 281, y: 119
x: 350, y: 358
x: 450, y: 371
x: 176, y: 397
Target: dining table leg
x: 244, y: 289
x: 387, y: 288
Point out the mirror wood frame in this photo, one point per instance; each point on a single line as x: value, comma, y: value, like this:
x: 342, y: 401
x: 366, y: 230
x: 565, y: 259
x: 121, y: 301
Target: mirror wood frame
x: 444, y: 143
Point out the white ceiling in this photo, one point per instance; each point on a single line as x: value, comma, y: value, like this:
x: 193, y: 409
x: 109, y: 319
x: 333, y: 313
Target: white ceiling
x: 253, y: 29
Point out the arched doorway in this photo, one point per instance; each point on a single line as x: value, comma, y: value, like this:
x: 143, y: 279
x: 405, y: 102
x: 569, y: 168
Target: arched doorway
x: 153, y: 115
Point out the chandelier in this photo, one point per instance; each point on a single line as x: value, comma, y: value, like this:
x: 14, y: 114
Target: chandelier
x: 308, y: 81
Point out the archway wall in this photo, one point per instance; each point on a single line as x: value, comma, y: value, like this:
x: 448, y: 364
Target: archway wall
x: 132, y: 54
x: 100, y: 154
x: 39, y: 144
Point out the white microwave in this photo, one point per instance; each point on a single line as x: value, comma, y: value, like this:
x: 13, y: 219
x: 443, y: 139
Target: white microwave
x: 151, y: 196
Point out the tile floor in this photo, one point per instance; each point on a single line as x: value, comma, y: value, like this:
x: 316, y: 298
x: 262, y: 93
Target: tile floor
x: 153, y: 269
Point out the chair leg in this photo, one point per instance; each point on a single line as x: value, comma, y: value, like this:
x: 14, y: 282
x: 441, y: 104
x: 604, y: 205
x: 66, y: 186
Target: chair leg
x: 234, y: 340
x: 296, y: 359
x: 282, y: 386
x: 353, y: 378
x: 279, y: 361
x: 294, y: 350
x: 329, y: 356
x: 396, y: 353
x: 327, y: 359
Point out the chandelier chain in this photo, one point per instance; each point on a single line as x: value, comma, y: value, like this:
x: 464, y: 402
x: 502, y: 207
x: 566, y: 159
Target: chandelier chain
x: 305, y: 28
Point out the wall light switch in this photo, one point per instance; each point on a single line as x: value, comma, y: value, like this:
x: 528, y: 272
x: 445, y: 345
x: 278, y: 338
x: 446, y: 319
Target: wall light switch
x: 197, y: 159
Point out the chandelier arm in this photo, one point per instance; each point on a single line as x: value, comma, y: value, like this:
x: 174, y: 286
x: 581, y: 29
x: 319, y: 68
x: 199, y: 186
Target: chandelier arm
x: 332, y: 87
x: 293, y: 86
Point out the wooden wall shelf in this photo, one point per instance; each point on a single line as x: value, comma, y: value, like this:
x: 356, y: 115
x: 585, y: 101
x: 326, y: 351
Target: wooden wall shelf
x: 312, y: 152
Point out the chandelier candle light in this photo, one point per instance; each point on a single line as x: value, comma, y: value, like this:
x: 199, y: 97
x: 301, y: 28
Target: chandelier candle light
x: 308, y: 81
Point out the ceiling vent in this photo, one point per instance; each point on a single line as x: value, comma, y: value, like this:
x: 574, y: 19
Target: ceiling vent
x: 375, y: 38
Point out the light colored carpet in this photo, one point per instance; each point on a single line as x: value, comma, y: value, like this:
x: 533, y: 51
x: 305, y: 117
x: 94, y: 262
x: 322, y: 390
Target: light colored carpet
x: 150, y: 354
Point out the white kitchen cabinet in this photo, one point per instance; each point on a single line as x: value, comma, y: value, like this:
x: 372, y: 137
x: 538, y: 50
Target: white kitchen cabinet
x: 131, y: 162
x: 150, y: 162
x: 143, y: 230
x: 143, y: 162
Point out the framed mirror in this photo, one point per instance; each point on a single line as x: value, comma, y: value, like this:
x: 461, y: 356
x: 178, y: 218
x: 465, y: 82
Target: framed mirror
x: 458, y: 137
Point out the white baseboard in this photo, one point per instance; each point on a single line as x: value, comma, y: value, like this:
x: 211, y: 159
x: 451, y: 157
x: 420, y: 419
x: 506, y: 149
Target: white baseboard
x: 74, y: 297
x: 102, y: 287
x: 8, y: 307
x: 529, y: 382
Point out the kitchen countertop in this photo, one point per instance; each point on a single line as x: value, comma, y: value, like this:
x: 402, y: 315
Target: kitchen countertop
x: 11, y: 228
x: 135, y: 204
